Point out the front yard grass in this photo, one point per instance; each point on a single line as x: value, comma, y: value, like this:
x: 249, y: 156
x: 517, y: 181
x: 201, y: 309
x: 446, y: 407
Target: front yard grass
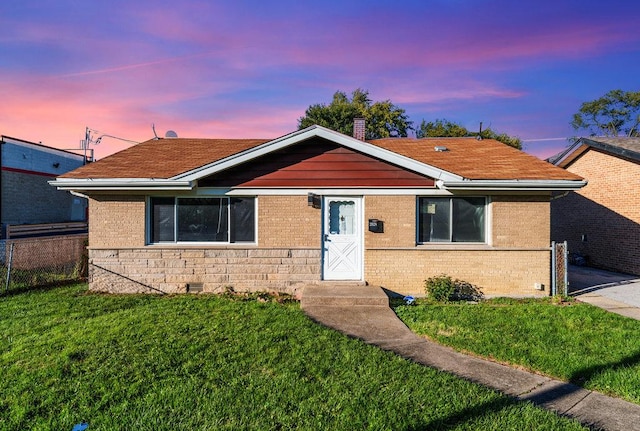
x: 573, y: 341
x: 203, y: 362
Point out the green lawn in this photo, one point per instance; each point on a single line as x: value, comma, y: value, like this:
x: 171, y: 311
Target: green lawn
x: 203, y: 362
x: 575, y: 342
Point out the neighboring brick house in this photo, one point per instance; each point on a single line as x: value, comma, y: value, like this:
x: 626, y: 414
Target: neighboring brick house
x: 601, y: 221
x: 176, y: 215
x: 27, y: 197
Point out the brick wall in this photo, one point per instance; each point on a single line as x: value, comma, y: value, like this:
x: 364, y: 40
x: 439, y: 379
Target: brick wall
x: 521, y: 221
x: 516, y: 260
x: 495, y: 272
x: 288, y: 221
x: 29, y: 199
x: 601, y: 220
x: 117, y: 221
x: 399, y: 216
x: 169, y: 270
x: 288, y: 253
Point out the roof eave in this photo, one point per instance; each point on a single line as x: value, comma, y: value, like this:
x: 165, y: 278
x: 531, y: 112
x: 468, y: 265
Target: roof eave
x: 513, y: 185
x: 142, y: 184
x: 612, y: 149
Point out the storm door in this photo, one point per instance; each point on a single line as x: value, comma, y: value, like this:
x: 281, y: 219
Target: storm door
x: 342, y: 238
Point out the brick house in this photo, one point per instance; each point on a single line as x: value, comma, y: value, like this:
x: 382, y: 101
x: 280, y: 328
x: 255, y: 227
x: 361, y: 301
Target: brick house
x: 176, y: 215
x: 602, y: 220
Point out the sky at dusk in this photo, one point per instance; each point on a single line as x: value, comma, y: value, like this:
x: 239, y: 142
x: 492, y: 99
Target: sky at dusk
x: 249, y: 69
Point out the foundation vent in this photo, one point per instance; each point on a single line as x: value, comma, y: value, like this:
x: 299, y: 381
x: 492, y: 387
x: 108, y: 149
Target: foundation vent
x: 194, y: 287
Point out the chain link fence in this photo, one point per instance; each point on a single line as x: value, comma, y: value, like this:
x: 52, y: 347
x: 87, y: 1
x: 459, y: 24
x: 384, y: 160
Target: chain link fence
x: 559, y: 268
x: 38, y: 262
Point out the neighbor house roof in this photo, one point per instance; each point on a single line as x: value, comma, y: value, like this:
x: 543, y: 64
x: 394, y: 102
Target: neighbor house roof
x: 625, y: 147
x: 176, y: 163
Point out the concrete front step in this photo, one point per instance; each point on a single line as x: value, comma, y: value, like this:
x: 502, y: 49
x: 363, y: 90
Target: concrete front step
x: 343, y: 295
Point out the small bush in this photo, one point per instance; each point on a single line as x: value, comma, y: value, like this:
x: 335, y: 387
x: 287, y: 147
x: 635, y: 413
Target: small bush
x: 440, y: 288
x: 444, y: 289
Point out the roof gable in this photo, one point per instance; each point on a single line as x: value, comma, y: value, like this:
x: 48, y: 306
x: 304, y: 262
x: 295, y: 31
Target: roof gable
x: 315, y: 163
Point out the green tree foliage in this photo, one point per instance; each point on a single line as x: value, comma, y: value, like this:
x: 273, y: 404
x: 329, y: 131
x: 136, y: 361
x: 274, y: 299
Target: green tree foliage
x: 383, y: 119
x: 443, y: 128
x: 615, y: 113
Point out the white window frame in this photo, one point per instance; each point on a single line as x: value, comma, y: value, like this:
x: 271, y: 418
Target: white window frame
x: 486, y: 217
x: 149, y: 221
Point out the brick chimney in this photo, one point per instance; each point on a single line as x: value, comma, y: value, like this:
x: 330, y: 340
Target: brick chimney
x: 358, y: 128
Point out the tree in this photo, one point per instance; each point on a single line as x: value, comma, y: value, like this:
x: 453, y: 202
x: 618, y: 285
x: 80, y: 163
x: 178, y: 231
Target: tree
x: 383, y: 119
x: 441, y: 129
x: 615, y: 113
x: 444, y: 128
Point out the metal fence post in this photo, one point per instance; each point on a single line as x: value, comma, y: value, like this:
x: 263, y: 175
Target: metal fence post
x: 6, y: 287
x: 554, y: 285
x: 565, y: 252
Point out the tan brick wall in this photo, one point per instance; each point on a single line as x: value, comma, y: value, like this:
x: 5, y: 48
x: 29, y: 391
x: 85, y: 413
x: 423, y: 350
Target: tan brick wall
x: 606, y: 210
x: 169, y: 270
x: 116, y: 221
x: 288, y: 221
x: 495, y: 272
x: 518, y: 257
x: 521, y: 221
x: 399, y: 216
x: 288, y: 253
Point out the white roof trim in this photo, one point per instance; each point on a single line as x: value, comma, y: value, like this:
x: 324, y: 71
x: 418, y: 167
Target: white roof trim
x: 321, y: 132
x: 120, y: 184
x: 369, y: 191
x: 494, y: 185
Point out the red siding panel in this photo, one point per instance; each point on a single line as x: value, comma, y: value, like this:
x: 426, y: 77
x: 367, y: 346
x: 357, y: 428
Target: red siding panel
x: 317, y: 163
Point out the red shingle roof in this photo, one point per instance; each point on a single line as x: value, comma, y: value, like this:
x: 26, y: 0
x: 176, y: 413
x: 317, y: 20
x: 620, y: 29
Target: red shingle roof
x: 467, y: 157
x: 163, y: 158
x: 476, y: 160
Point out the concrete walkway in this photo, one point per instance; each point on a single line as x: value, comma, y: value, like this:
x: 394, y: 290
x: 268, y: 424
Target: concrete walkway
x: 615, y: 292
x: 378, y: 325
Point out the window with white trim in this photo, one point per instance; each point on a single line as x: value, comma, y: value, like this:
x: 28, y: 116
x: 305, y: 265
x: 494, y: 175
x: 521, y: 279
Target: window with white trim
x: 202, y: 219
x: 451, y: 219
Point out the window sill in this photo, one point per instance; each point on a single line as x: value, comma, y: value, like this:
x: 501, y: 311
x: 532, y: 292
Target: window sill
x: 454, y: 246
x: 201, y: 245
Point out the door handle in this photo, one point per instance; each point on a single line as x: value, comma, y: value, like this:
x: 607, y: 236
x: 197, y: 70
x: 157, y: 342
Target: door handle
x: 326, y: 237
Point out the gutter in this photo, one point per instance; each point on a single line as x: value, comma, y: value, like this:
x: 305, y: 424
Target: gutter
x: 121, y: 184
x: 515, y: 185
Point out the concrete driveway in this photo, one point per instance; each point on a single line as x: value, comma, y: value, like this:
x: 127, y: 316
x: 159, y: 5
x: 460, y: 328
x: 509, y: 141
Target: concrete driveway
x: 616, y: 292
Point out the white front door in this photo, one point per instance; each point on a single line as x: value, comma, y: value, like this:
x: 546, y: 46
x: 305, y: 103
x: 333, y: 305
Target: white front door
x: 342, y: 238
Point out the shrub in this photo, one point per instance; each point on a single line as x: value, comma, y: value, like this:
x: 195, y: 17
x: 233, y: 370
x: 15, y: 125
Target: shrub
x: 440, y: 288
x: 444, y: 289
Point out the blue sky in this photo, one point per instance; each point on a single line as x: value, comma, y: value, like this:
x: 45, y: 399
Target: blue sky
x: 251, y: 68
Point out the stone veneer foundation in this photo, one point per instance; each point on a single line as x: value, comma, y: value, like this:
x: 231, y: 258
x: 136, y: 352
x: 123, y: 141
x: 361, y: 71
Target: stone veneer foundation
x: 176, y: 270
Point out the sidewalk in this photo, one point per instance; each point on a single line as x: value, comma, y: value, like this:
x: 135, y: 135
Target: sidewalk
x: 378, y: 325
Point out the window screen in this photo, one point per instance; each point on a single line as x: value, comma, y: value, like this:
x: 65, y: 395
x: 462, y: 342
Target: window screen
x: 451, y: 219
x: 217, y: 219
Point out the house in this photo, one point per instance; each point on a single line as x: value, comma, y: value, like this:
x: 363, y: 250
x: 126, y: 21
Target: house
x: 601, y: 222
x: 27, y: 197
x: 176, y: 215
